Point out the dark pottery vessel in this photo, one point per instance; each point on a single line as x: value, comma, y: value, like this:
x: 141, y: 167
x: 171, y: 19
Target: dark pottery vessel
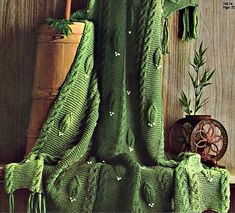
x: 200, y: 134
x: 195, y: 119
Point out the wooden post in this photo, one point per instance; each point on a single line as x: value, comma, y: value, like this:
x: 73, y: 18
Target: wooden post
x: 68, y: 9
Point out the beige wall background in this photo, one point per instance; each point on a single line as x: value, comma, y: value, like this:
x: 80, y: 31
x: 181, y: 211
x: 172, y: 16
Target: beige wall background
x: 18, y: 24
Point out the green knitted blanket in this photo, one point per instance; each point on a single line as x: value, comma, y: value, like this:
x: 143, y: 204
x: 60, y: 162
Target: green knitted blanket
x: 101, y: 148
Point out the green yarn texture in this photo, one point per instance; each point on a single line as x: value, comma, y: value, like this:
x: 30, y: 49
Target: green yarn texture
x: 101, y: 148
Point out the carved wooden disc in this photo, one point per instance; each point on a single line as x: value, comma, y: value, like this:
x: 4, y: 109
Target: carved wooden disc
x: 209, y: 139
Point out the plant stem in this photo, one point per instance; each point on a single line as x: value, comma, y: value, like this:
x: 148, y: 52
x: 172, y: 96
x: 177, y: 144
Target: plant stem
x: 196, y: 93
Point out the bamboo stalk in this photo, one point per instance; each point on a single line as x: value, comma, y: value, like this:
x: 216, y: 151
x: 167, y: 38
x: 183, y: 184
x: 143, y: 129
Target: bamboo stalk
x: 68, y: 9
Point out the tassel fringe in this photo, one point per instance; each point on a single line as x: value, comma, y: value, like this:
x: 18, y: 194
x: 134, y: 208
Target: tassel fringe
x: 11, y: 203
x: 190, y: 26
x: 165, y: 40
x: 44, y: 204
x: 30, y: 203
x: 195, y: 22
x: 190, y: 23
x: 36, y: 203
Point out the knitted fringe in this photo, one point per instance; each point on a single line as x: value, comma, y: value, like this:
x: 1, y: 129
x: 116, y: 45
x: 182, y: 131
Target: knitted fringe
x: 11, y: 203
x: 165, y: 40
x: 190, y: 23
x: 36, y: 203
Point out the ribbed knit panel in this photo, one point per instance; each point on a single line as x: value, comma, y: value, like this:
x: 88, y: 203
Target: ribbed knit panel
x: 110, y: 129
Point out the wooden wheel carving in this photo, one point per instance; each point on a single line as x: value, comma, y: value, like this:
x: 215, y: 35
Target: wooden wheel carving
x: 209, y: 139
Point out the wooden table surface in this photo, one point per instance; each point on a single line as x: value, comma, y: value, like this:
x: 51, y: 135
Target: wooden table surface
x: 232, y: 176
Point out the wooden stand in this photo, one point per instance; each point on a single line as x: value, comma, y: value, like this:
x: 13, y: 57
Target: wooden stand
x: 55, y: 54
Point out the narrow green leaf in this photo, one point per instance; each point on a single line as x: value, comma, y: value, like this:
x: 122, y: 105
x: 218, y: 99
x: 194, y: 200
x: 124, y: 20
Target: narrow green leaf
x: 203, y: 51
x: 61, y: 25
x: 185, y: 103
x: 195, y: 61
x: 205, y: 101
x: 203, y: 79
x: 207, y: 84
x: 200, y: 47
x: 193, y: 81
x: 64, y: 32
x: 193, y: 65
x: 79, y: 15
x: 69, y: 29
x: 210, y: 75
x: 183, y: 97
x: 201, y: 63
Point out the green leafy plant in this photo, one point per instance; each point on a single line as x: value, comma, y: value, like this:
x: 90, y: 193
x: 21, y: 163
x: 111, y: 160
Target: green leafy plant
x: 199, y: 81
x: 62, y: 25
x: 79, y: 15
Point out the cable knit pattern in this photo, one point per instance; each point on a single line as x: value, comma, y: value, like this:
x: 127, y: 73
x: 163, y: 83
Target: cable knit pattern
x: 225, y: 191
x: 37, y: 179
x: 194, y: 186
x: 9, y: 178
x: 144, y: 58
x: 101, y: 148
x: 141, y: 31
x: 181, y: 180
x: 91, y: 192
